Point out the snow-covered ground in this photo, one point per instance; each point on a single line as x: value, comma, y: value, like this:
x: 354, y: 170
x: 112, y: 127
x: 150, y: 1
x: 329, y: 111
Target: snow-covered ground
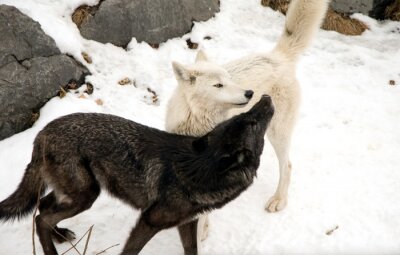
x: 345, y: 150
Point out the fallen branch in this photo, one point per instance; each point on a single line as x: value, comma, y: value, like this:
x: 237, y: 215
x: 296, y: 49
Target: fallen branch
x: 80, y: 239
x: 33, y: 219
x: 329, y: 232
x: 66, y: 239
x: 73, y: 246
x: 87, y: 240
x: 103, y: 251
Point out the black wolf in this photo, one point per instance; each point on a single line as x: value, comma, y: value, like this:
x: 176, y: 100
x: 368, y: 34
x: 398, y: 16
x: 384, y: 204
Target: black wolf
x: 171, y: 178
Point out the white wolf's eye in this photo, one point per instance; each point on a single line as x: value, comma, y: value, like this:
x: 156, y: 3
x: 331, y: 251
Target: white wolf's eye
x: 219, y: 85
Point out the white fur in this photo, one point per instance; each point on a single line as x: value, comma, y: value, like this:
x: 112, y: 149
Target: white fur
x: 197, y: 106
x: 198, y: 95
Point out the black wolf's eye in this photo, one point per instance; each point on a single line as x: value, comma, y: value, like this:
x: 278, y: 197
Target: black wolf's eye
x: 219, y: 85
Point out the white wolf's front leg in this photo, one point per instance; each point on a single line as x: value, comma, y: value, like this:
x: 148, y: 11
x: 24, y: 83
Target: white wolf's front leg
x: 203, y: 227
x: 279, y: 200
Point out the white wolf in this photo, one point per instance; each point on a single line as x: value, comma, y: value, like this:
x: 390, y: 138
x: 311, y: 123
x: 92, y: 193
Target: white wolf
x: 208, y: 93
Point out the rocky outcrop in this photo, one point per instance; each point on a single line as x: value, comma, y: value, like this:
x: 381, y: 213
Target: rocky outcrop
x: 336, y: 21
x: 373, y: 8
x: 338, y: 16
x: 352, y: 6
x: 155, y: 21
x: 32, y: 69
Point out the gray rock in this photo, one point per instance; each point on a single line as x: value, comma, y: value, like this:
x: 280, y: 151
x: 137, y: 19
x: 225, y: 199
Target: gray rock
x: 155, y: 21
x: 352, y: 6
x: 366, y: 7
x: 32, y: 69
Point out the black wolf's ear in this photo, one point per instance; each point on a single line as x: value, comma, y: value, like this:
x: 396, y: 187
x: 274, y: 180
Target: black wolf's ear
x: 200, y: 144
x: 201, y: 56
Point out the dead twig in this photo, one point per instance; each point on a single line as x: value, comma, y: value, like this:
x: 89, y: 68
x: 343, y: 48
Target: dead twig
x: 33, y: 219
x: 73, y: 246
x: 87, y: 240
x: 103, y: 251
x: 62, y: 93
x: 66, y: 239
x: 329, y: 232
x: 80, y: 239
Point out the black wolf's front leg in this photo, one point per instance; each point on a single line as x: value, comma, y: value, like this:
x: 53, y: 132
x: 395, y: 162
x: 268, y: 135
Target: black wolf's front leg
x: 140, y: 235
x: 188, y: 234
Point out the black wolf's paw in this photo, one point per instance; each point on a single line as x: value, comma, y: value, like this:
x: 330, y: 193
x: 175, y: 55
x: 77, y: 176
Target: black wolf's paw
x: 61, y: 235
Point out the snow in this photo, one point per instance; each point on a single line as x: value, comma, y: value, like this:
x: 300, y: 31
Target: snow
x: 344, y: 152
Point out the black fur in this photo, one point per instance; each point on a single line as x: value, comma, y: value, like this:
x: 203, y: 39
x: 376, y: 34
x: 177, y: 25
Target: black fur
x: 171, y: 178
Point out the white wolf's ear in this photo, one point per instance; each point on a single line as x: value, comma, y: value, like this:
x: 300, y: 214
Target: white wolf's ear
x: 201, y: 56
x: 181, y: 72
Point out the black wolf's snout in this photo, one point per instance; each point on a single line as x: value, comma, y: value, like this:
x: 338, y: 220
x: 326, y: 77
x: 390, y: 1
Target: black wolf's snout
x: 265, y: 105
x: 248, y: 94
x: 266, y: 99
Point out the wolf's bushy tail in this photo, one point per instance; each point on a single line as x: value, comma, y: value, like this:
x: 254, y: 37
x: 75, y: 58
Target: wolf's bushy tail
x: 303, y: 19
x: 23, y: 200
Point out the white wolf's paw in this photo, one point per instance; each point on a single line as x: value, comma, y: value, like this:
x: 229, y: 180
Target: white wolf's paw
x: 276, y: 204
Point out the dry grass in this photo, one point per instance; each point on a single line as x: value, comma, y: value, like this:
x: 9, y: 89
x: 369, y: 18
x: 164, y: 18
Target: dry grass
x: 80, y: 15
x: 62, y: 93
x: 83, y: 11
x: 393, y: 11
x: 343, y: 24
x: 103, y: 251
x: 73, y: 246
x: 333, y: 21
x: 125, y: 81
x: 89, y: 88
x: 99, y: 101
x: 330, y: 232
x: 33, y: 219
x: 192, y: 45
x: 154, y: 96
x: 277, y: 5
x: 34, y: 117
x: 86, y: 57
